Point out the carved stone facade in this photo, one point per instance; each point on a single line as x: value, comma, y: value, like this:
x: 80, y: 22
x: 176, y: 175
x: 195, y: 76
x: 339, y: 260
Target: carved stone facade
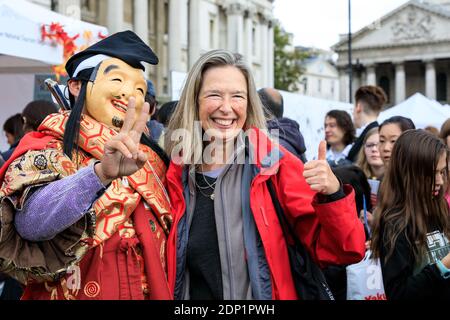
x: 414, y: 25
x: 406, y: 51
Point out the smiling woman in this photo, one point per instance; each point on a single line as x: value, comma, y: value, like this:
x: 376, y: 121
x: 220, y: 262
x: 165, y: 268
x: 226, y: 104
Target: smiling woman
x: 225, y: 239
x: 223, y: 102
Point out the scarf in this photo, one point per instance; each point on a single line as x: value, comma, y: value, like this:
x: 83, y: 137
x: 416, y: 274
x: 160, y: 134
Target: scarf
x: 114, y: 207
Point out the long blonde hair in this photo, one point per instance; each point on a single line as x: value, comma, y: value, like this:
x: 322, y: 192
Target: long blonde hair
x: 187, y: 110
x: 362, y: 158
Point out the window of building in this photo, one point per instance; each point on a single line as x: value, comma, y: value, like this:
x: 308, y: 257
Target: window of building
x: 89, y: 11
x: 128, y: 12
x: 304, y: 83
x: 254, y: 39
x: 212, y: 31
x: 152, y: 17
x: 441, y: 87
x: 319, y: 85
x: 166, y: 15
x: 88, y: 5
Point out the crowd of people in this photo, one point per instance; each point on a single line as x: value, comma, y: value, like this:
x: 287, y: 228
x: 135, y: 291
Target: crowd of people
x: 118, y: 198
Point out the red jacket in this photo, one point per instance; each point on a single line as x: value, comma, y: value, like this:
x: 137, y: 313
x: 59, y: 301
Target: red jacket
x: 331, y: 232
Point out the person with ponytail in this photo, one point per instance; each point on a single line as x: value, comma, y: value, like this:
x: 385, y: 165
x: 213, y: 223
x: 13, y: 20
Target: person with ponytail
x: 412, y: 230
x: 85, y: 212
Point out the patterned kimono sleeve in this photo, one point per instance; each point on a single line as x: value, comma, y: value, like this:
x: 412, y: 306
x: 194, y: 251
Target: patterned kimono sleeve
x: 43, y: 260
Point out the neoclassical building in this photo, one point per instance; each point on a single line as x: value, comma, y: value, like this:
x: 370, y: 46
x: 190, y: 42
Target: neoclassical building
x: 404, y: 52
x: 179, y: 31
x: 320, y: 78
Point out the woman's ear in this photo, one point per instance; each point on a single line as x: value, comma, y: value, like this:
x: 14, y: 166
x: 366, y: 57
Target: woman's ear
x: 74, y: 87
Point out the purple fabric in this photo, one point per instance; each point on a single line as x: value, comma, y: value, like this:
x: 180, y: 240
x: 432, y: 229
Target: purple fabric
x: 56, y: 206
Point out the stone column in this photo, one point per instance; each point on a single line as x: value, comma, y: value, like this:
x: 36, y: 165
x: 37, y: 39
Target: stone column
x: 364, y: 77
x: 356, y: 83
x: 175, y: 33
x: 160, y: 36
x: 371, y: 75
x: 115, y: 16
x: 194, y: 31
x: 430, y: 79
x: 141, y: 19
x: 249, y: 41
x: 235, y: 28
x: 264, y: 52
x: 271, y: 62
x: 400, y: 82
x: 343, y: 85
x: 70, y: 8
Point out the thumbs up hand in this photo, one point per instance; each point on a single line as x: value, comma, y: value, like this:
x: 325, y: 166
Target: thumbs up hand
x: 318, y: 174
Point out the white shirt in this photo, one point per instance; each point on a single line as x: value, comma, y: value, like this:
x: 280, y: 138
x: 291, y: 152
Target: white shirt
x: 337, y: 156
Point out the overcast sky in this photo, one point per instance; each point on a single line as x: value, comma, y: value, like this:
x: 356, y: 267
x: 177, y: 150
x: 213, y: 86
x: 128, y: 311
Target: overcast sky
x: 318, y: 23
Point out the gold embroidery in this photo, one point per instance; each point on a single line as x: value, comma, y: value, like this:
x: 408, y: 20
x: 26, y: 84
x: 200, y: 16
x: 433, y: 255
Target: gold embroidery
x: 91, y: 289
x: 65, y: 289
x: 53, y: 291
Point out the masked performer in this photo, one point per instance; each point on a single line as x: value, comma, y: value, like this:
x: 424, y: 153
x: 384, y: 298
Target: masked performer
x: 84, y: 211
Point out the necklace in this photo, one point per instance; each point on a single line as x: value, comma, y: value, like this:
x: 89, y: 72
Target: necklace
x: 206, y: 181
x: 207, y: 187
x: 211, y: 196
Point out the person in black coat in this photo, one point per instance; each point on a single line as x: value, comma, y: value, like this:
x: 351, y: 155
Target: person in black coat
x: 289, y: 133
x: 336, y: 276
x: 369, y: 101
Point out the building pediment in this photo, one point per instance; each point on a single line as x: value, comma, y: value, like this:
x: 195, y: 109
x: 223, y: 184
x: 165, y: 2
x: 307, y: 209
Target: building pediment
x: 410, y: 24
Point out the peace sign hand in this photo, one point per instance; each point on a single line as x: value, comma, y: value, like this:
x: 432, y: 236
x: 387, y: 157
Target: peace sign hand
x: 122, y: 156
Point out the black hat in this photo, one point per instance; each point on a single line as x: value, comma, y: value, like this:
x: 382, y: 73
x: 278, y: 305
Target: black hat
x: 126, y: 46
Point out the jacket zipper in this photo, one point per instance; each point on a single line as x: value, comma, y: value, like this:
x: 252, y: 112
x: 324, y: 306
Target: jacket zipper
x: 261, y: 209
x: 263, y: 213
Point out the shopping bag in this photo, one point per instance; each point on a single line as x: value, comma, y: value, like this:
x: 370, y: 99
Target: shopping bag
x: 365, y: 280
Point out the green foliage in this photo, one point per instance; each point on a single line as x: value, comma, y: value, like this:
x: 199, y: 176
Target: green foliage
x: 288, y: 67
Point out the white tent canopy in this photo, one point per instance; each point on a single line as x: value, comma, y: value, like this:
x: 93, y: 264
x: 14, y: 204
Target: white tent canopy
x: 421, y: 110
x: 310, y: 114
x: 23, y: 56
x: 20, y: 31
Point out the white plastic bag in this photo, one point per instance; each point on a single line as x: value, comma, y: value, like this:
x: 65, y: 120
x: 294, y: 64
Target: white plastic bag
x: 365, y: 280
